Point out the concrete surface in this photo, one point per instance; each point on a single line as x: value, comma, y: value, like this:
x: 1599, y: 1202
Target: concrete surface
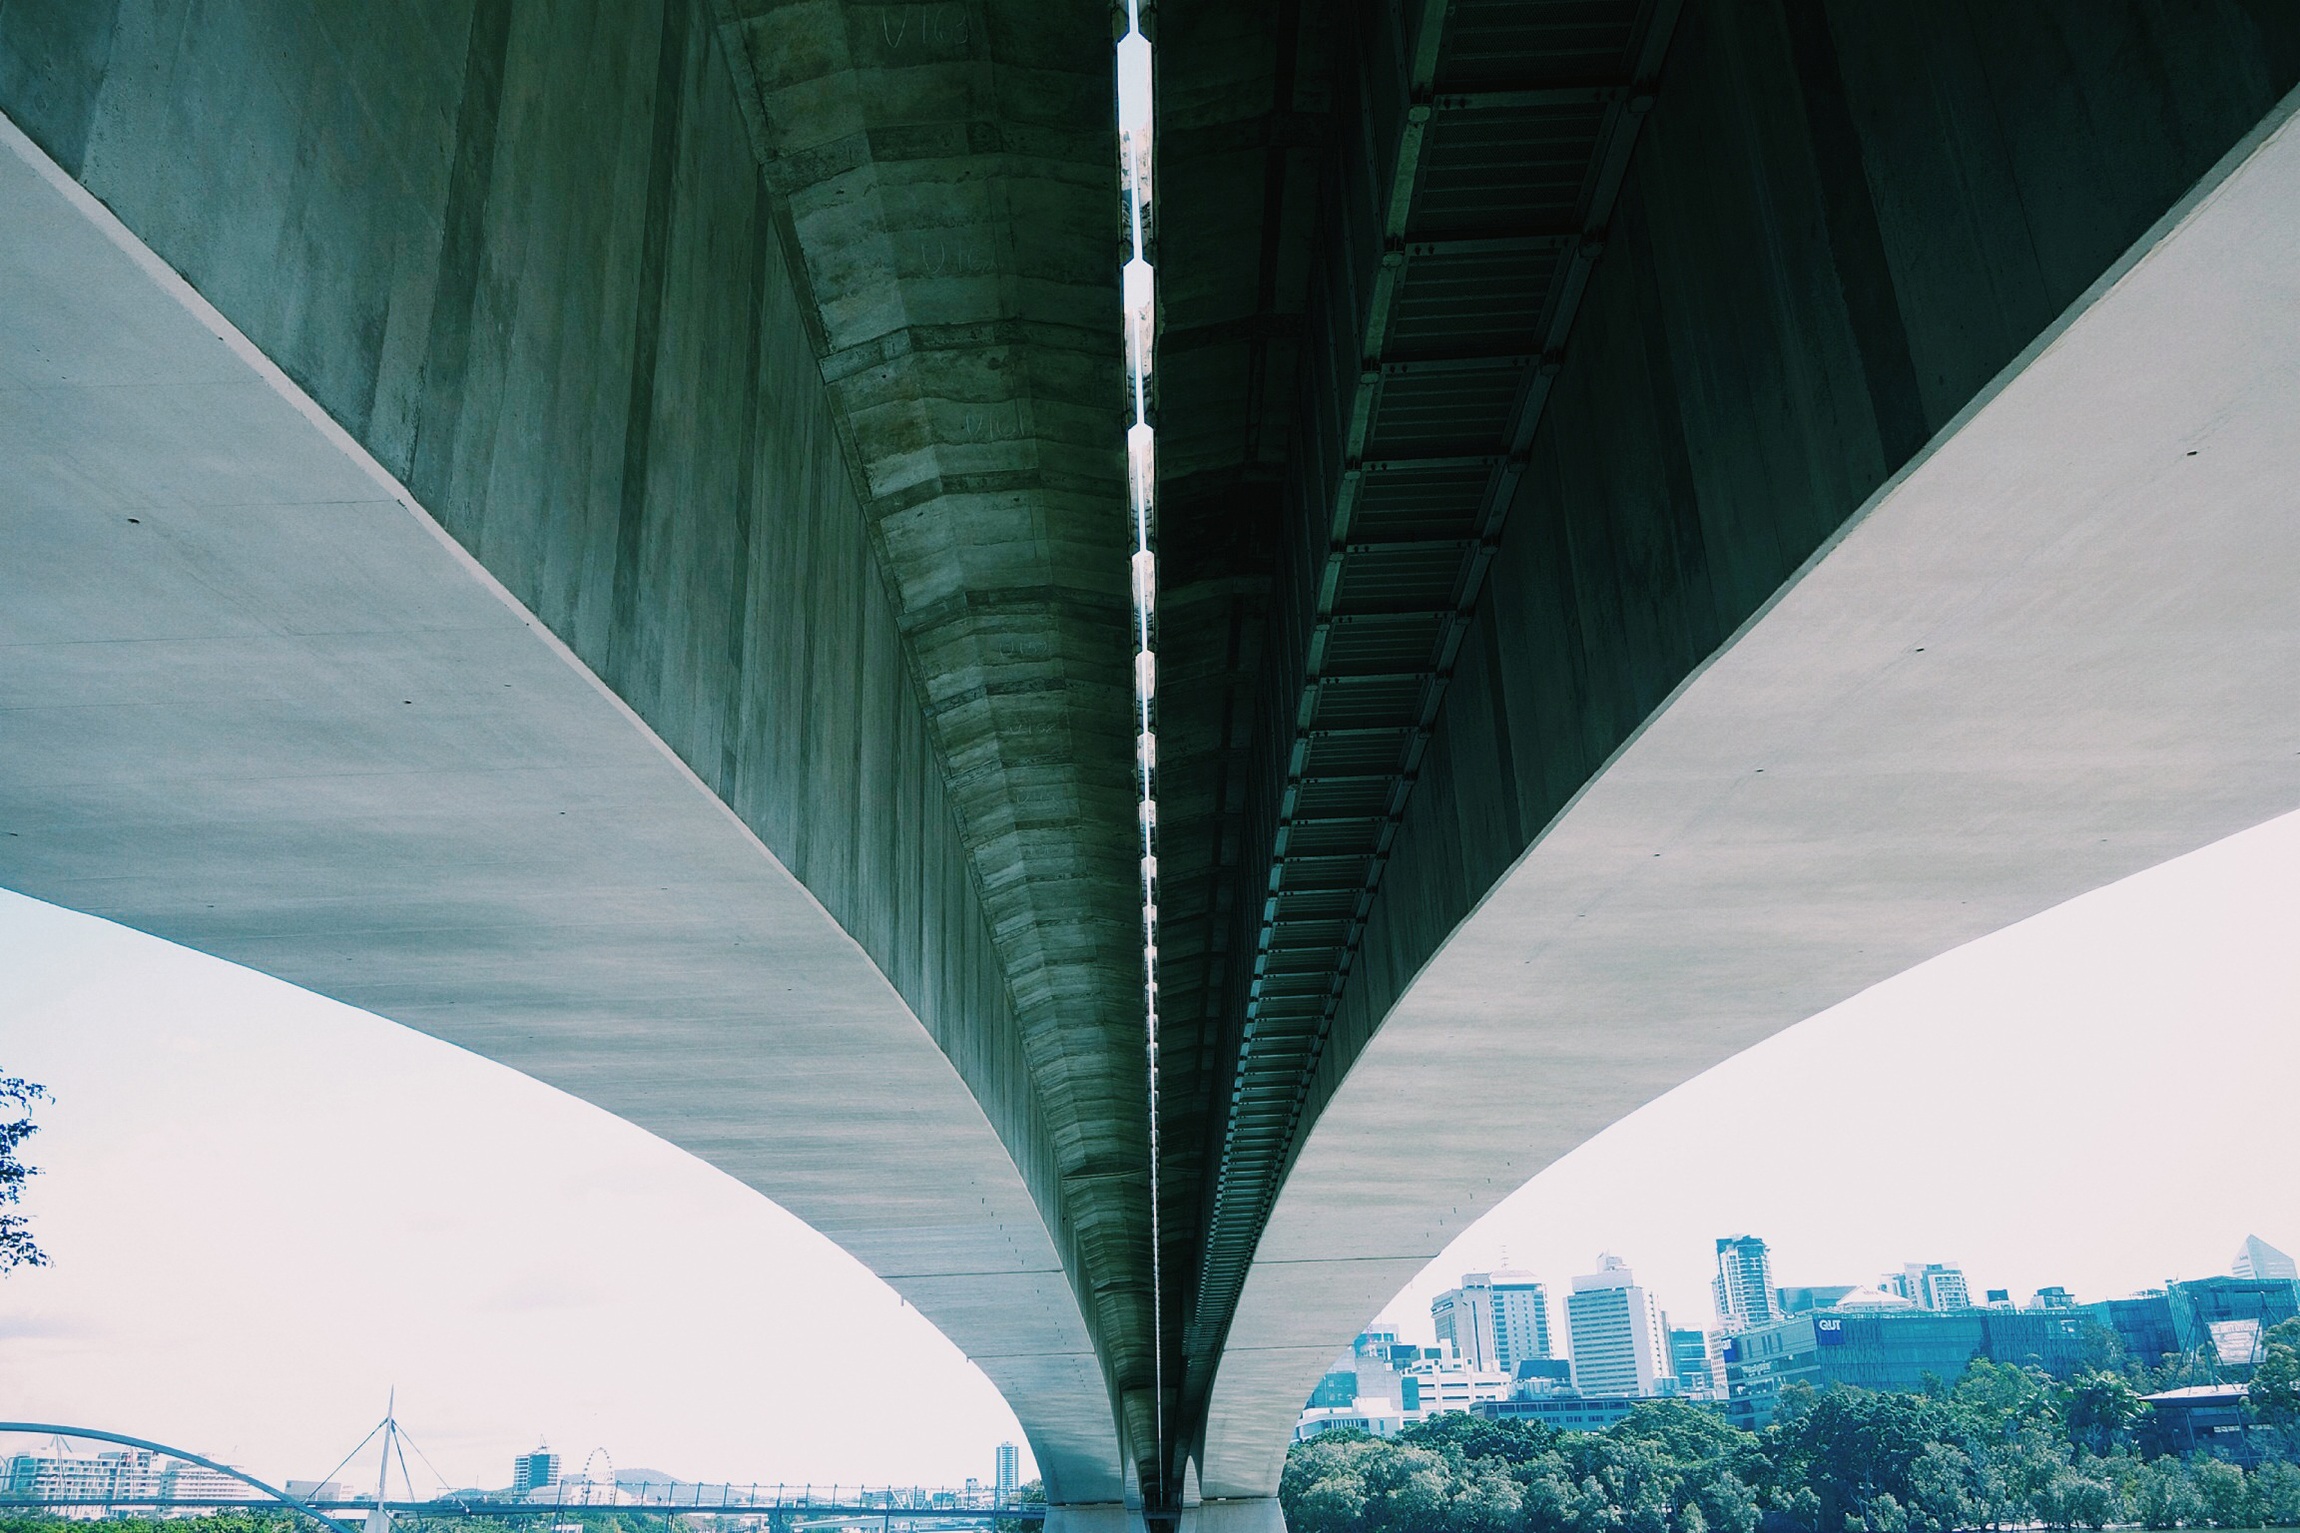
x: 256, y: 702
x: 766, y: 354
x: 665, y: 310
x: 2063, y: 647
x: 1839, y: 222
x: 945, y: 173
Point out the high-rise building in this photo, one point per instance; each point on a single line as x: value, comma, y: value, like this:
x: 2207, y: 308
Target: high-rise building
x: 1743, y: 1287
x: 1455, y: 1315
x: 2256, y: 1258
x: 1930, y: 1285
x: 1009, y: 1473
x: 530, y: 1470
x: 1618, y: 1345
x: 1520, y: 1320
x: 1494, y: 1319
x: 1689, y: 1361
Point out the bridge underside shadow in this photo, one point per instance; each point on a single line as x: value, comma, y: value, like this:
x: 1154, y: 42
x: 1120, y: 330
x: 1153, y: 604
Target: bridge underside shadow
x: 259, y: 704
x: 1576, y: 664
x: 2060, y: 647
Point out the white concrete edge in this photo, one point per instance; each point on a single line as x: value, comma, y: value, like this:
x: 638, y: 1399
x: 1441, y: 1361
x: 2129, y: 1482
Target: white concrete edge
x: 2207, y: 189
x: 176, y: 286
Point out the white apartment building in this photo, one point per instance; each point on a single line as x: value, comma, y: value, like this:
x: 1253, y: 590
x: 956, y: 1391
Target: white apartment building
x: 1374, y: 1416
x: 1494, y: 1319
x: 1619, y: 1345
x: 1434, y: 1386
x: 1743, y: 1286
x: 1930, y: 1285
x: 87, y: 1483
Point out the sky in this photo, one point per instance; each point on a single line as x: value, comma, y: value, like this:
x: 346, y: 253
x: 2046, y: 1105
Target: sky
x: 2101, y: 1097
x: 268, y: 1210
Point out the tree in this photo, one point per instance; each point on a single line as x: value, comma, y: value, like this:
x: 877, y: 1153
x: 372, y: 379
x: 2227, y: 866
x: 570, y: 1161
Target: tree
x: 2101, y: 1410
x: 1941, y: 1489
x: 17, y: 1248
x: 2275, y: 1396
x: 1852, y: 1445
x: 2225, y: 1493
x: 2278, y: 1488
x: 1028, y: 1493
x: 1474, y: 1437
x: 2079, y: 1496
x: 2003, y: 1399
x: 1321, y: 1490
x: 1728, y: 1505
x: 2165, y: 1497
x: 2000, y: 1448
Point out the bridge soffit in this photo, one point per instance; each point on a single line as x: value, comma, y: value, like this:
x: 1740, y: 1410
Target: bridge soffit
x: 1445, y: 287
x: 1753, y: 135
x: 944, y: 177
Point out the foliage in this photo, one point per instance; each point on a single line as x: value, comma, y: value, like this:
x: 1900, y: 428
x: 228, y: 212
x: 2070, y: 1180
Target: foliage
x: 2102, y: 1411
x: 229, y: 1521
x: 2276, y: 1381
x: 17, y: 1248
x: 1028, y: 1493
x: 2278, y: 1488
x: 2001, y: 1448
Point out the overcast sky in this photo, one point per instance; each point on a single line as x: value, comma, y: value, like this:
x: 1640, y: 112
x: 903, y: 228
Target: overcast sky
x: 267, y: 1210
x: 2103, y: 1096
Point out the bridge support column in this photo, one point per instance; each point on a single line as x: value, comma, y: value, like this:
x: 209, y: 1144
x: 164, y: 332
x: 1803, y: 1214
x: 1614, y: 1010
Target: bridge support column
x: 1254, y: 1514
x: 1094, y: 1517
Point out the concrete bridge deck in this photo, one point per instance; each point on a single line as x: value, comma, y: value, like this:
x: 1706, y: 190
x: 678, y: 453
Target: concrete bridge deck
x: 1663, y: 524
x: 258, y: 703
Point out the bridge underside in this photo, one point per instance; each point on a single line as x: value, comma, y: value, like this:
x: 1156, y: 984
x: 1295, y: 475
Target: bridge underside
x: 2062, y: 648
x: 259, y: 705
x: 751, y: 750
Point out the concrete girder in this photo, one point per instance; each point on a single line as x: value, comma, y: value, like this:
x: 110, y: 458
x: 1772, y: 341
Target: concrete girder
x: 526, y: 256
x: 947, y: 175
x: 1241, y: 141
x: 1986, y: 699
x: 1794, y: 295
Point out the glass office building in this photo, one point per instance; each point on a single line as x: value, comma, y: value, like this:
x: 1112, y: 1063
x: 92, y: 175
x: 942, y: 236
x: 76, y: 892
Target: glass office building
x: 1895, y: 1350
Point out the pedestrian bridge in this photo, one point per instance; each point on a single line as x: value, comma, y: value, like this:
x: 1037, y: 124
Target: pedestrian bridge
x: 600, y: 532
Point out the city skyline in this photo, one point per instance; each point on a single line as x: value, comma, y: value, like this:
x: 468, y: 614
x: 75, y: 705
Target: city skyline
x: 1907, y: 1280
x: 70, y: 1470
x: 1913, y: 1332
x: 1920, y: 1286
